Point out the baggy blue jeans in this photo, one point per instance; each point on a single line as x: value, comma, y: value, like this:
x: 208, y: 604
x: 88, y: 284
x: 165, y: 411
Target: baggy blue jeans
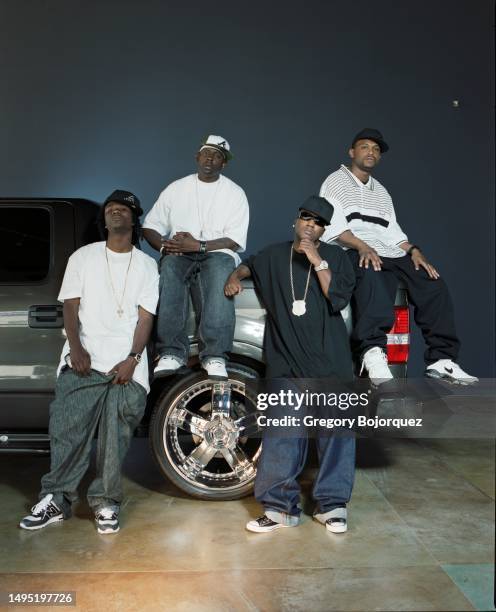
x: 283, y: 459
x: 81, y: 405
x: 205, y: 275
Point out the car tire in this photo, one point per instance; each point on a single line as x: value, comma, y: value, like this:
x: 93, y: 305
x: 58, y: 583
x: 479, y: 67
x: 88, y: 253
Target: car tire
x: 188, y: 454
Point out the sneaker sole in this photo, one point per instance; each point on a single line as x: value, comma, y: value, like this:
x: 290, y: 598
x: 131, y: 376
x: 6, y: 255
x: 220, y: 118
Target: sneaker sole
x: 164, y: 373
x: 55, y: 519
x: 454, y: 381
x: 339, y: 529
x: 267, y: 530
x: 107, y: 530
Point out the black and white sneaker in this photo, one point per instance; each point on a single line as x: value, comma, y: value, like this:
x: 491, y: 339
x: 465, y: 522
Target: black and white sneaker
x: 448, y: 370
x: 107, y: 521
x: 42, y: 514
x: 264, y: 524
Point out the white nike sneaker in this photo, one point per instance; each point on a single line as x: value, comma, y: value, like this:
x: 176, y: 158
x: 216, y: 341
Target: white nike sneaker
x: 376, y: 364
x: 166, y: 365
x: 216, y: 368
x: 450, y: 371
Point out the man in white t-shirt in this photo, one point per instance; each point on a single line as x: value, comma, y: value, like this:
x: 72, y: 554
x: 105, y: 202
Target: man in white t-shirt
x: 364, y: 222
x: 110, y: 295
x: 198, y: 224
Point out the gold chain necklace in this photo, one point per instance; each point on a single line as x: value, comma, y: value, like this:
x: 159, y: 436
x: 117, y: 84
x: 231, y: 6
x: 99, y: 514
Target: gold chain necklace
x: 120, y: 310
x: 299, y: 307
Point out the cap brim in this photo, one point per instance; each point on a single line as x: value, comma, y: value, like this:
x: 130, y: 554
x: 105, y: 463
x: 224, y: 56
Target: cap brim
x: 316, y: 215
x: 227, y: 154
x: 137, y: 209
x: 383, y: 146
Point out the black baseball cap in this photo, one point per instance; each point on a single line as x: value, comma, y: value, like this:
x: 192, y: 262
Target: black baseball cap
x: 127, y: 198
x: 372, y: 134
x: 319, y: 207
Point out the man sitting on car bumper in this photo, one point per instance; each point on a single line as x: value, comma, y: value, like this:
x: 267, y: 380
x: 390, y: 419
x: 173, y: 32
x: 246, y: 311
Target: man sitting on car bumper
x: 198, y: 223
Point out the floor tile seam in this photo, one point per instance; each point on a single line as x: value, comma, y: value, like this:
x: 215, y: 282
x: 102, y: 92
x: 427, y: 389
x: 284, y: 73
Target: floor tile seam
x: 456, y: 472
x: 457, y: 586
x: 227, y: 570
x: 404, y: 522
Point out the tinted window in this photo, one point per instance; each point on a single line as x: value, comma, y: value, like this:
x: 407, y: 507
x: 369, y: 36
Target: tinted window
x: 24, y: 244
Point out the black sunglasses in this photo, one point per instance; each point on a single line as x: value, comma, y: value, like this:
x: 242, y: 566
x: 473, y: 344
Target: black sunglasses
x: 306, y: 216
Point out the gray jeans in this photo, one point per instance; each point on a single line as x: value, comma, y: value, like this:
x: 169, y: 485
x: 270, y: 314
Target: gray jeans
x: 81, y: 404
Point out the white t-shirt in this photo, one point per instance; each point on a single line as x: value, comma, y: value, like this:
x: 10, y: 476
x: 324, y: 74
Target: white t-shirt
x: 207, y: 211
x: 107, y: 337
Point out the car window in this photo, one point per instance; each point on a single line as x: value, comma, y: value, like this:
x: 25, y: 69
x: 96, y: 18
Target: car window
x: 24, y: 244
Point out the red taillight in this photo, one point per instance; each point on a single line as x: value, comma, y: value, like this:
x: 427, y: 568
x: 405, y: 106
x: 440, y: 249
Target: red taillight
x: 398, y: 339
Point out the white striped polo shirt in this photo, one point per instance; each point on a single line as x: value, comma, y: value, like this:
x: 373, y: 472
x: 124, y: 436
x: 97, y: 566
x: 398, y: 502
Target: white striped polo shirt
x: 365, y: 209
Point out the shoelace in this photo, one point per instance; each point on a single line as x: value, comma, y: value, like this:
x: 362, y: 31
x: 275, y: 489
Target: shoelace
x: 106, y: 514
x: 383, y: 357
x: 42, y: 505
x: 216, y: 362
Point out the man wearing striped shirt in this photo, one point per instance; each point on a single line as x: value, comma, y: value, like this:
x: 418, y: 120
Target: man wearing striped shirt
x: 364, y: 222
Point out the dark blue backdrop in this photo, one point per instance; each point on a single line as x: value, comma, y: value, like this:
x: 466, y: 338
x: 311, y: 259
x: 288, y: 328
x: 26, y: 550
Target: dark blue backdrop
x: 99, y: 95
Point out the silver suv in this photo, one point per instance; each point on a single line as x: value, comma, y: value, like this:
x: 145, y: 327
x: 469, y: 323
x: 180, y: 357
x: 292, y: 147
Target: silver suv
x: 198, y: 428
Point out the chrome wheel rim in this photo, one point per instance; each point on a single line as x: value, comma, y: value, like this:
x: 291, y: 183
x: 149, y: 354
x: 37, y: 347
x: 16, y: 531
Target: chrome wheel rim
x: 207, y: 448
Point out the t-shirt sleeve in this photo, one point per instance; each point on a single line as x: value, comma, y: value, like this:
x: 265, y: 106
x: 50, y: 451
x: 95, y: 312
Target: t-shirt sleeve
x: 149, y: 294
x: 236, y: 227
x: 158, y: 218
x: 259, y: 268
x: 338, y: 222
x: 342, y: 281
x: 395, y: 234
x: 72, y: 284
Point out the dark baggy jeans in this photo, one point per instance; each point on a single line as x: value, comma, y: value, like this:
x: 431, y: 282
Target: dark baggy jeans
x: 283, y: 459
x: 373, y: 301
x: 205, y: 275
x: 83, y: 403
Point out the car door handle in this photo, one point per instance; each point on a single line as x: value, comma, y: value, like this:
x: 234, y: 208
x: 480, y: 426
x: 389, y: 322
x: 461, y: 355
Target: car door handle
x: 46, y: 316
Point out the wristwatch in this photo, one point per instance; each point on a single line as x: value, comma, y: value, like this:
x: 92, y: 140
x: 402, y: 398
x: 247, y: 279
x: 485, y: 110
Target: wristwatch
x: 135, y: 356
x: 414, y: 246
x: 323, y: 265
x: 203, y: 247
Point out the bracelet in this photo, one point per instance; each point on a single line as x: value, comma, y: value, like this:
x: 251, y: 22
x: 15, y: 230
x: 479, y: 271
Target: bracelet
x: 414, y: 246
x: 161, y: 249
x: 203, y: 246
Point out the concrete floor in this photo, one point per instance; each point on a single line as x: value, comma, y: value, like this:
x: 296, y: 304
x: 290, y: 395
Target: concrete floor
x: 421, y: 527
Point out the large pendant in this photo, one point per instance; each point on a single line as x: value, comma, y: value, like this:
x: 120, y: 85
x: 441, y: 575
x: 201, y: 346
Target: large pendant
x: 299, y: 308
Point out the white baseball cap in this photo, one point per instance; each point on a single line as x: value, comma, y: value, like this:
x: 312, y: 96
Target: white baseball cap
x: 218, y: 143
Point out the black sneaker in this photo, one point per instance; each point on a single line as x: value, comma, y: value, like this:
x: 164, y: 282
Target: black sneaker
x: 45, y: 512
x: 263, y: 524
x: 107, y: 521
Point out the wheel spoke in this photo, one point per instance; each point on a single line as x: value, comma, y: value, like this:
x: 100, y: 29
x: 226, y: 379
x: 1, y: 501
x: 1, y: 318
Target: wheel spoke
x: 247, y: 424
x: 221, y: 399
x: 190, y: 422
x: 197, y: 460
x: 239, y: 462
